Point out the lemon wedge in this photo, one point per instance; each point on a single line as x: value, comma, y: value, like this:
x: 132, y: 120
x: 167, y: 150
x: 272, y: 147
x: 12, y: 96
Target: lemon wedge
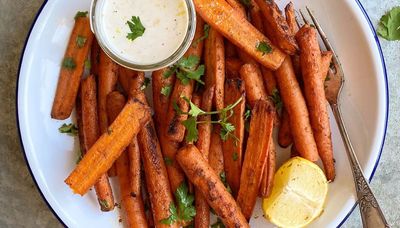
x: 298, y: 195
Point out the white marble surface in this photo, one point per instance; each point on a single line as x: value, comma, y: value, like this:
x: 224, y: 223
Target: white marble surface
x: 21, y: 203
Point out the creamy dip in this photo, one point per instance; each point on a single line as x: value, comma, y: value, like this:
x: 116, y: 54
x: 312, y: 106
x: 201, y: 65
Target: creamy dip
x: 165, y: 23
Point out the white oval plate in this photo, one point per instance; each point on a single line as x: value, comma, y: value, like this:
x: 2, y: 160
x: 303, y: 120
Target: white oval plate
x: 51, y: 156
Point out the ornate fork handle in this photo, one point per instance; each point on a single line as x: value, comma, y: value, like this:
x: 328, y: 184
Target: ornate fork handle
x: 371, y: 213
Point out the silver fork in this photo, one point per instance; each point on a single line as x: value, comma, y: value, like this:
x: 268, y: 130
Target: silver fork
x: 371, y: 213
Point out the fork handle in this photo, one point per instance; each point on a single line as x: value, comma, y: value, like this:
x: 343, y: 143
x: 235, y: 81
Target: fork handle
x: 371, y: 213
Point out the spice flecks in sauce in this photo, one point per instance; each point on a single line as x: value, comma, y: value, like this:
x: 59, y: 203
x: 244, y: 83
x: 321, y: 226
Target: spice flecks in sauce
x: 166, y: 23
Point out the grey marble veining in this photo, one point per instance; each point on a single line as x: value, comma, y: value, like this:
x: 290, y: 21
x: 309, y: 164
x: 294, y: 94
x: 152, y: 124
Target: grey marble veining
x: 21, y: 203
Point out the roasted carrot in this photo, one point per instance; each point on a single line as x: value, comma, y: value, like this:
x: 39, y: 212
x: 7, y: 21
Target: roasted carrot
x: 204, y: 178
x: 95, y: 57
x: 291, y: 18
x: 278, y: 26
x: 216, y: 155
x: 89, y: 129
x: 226, y: 20
x: 107, y: 80
x: 108, y: 147
x: 284, y: 133
x: 230, y: 49
x: 174, y: 130
x: 71, y: 69
x: 232, y: 146
x: 253, y: 81
x: 237, y: 6
x: 296, y: 107
x: 268, y: 172
x: 256, y: 17
x: 125, y: 76
x: 128, y: 168
x: 202, y: 218
x: 310, y: 59
x: 326, y: 58
x: 156, y: 175
x: 256, y: 156
x: 162, y: 87
x: 269, y: 81
x: 232, y: 67
x: 215, y: 66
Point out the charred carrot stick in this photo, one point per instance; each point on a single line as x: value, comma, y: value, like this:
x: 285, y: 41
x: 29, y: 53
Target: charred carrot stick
x: 295, y: 105
x: 232, y: 67
x: 216, y: 155
x: 72, y: 69
x: 256, y: 17
x: 215, y: 66
x: 233, y: 146
x: 284, y: 133
x: 156, y: 175
x: 237, y: 6
x: 226, y: 20
x: 88, y: 126
x: 269, y: 81
x: 128, y: 169
x: 95, y: 57
x: 108, y: 147
x: 202, y: 218
x: 310, y: 59
x: 162, y: 88
x: 125, y: 76
x: 268, y: 172
x: 326, y: 58
x: 278, y: 26
x: 257, y: 151
x: 291, y: 18
x: 174, y: 130
x: 230, y: 49
x: 107, y: 81
x: 204, y: 178
x: 253, y: 81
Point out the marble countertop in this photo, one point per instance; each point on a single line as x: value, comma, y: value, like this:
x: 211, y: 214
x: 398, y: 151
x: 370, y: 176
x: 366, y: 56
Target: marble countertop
x: 22, y: 205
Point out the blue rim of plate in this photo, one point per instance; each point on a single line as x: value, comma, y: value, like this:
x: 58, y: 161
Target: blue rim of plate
x: 348, y: 214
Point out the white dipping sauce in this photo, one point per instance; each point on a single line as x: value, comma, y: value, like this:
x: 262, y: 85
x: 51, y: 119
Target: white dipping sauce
x: 165, y: 22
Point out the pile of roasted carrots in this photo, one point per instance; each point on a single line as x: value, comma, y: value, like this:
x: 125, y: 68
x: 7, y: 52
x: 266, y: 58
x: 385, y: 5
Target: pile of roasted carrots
x: 209, y: 143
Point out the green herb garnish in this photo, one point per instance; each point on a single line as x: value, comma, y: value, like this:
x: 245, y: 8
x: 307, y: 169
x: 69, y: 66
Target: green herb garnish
x: 69, y: 63
x: 222, y: 176
x: 80, y: 41
x: 69, y: 129
x: 389, y: 25
x: 185, y: 211
x: 81, y: 14
x: 88, y: 64
x: 276, y: 98
x: 264, y: 47
x: 145, y: 84
x: 168, y: 161
x: 194, y: 111
x: 166, y: 90
x: 187, y: 69
x: 136, y: 27
x: 235, y: 156
x: 206, y: 30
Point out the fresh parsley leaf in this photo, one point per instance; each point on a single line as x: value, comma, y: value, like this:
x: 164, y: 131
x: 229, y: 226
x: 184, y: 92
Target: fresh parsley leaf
x: 104, y: 204
x: 226, y: 130
x: 69, y: 129
x: 194, y: 110
x: 191, y: 127
x: 145, y: 84
x: 264, y: 47
x: 166, y: 90
x: 168, y: 161
x: 81, y: 14
x: 186, y: 69
x: 80, y: 41
x: 136, y: 27
x: 276, y: 98
x: 389, y: 25
x: 235, y: 156
x: 88, y: 65
x: 218, y: 224
x: 206, y: 30
x: 69, y: 63
x: 173, y: 217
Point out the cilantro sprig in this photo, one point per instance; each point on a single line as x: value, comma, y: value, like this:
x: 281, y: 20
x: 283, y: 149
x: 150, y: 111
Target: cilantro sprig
x: 190, y: 124
x: 136, y: 27
x: 185, y: 211
x: 186, y: 69
x: 146, y: 83
x: 69, y: 129
x: 166, y: 90
x: 389, y: 25
x: 276, y: 98
x: 264, y: 47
